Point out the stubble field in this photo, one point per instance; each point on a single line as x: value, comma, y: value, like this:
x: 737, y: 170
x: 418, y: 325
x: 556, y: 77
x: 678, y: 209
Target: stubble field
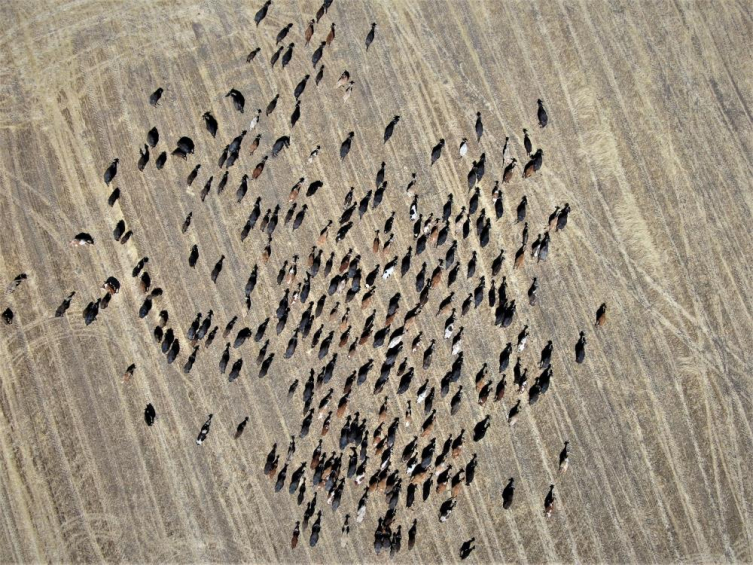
x: 649, y: 141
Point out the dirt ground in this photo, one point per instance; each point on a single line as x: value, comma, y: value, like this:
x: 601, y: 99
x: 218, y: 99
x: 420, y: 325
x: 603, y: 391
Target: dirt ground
x: 649, y: 141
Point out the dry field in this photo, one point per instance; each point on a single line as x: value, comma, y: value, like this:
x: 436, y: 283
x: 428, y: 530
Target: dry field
x: 650, y: 141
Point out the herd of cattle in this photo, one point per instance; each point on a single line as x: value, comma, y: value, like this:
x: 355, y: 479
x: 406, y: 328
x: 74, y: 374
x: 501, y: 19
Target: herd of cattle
x: 342, y: 302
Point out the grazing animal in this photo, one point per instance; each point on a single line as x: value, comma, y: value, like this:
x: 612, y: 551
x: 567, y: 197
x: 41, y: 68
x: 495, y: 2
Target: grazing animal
x: 319, y: 75
x: 370, y: 36
x: 279, y: 145
x: 259, y: 168
x: 217, y: 269
x: 314, y: 154
x: 155, y: 96
x: 82, y: 239
x: 549, y: 502
x: 507, y: 175
x: 240, y: 428
x: 296, y: 533
x: 529, y: 169
x: 282, y: 34
x: 345, y: 146
x: 144, y: 158
x: 542, y: 115
x: 532, y: 291
x: 562, y: 217
x: 150, y: 415
x: 343, y: 80
x: 512, y: 416
x: 152, y: 137
x: 479, y: 127
x: 255, y: 120
x: 204, y: 430
x: 390, y: 128
x: 254, y: 145
x: 508, y: 494
x: 316, y: 57
x: 580, y: 348
x: 16, y: 283
x: 211, y: 123
x: 192, y: 175
x: 63, y: 308
x: 288, y: 55
x: 479, y: 431
x: 552, y: 221
x: 262, y: 13
x: 299, y: 88
x: 601, y: 315
x: 564, y: 457
x: 114, y: 196
x: 272, y: 105
x: 193, y: 256
x: 527, y: 142
x: 446, y: 509
x: 436, y: 152
x: 331, y: 34
x: 538, y: 159
x: 276, y: 55
x: 519, y: 257
x: 111, y: 285
x: 111, y: 171
x: 521, y: 211
x: 467, y: 548
x: 252, y: 55
x: 239, y: 101
x: 348, y: 90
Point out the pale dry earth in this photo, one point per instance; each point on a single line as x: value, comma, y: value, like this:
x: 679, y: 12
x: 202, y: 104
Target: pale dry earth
x: 649, y: 141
